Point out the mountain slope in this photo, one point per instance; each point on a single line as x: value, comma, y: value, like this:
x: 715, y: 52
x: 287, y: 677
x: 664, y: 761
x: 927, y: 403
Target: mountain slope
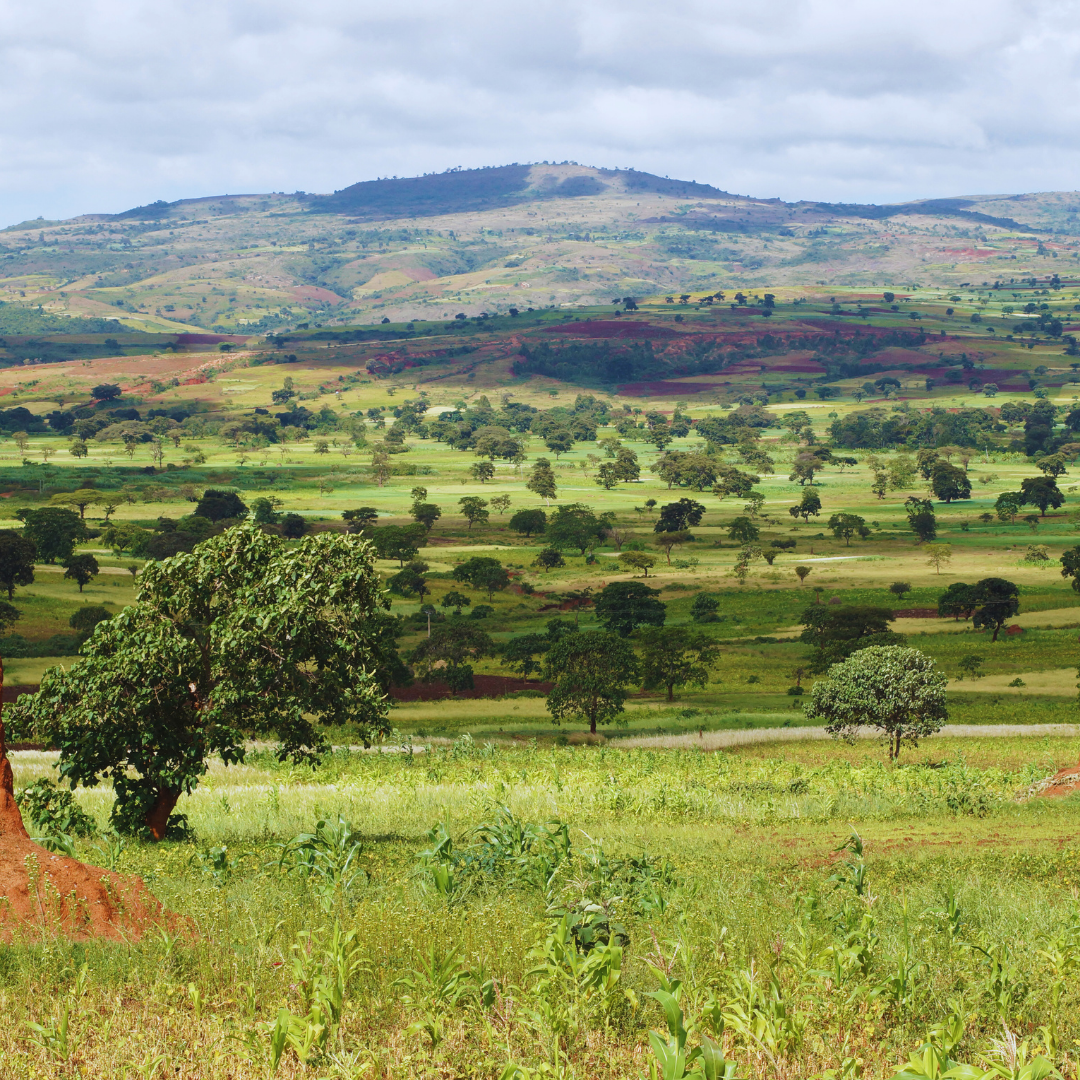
x: 511, y: 236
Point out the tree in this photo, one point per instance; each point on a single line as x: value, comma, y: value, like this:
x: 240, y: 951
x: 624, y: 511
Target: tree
x: 483, y: 572
x: 445, y: 653
x: 221, y: 505
x: 363, y: 517
x: 938, y: 555
x: 900, y: 588
x: 958, y: 599
x: 1041, y: 491
x: 743, y: 531
x: 575, y: 526
x: 80, y: 499
x: 427, y: 514
x: 482, y: 471
x: 675, y: 656
x: 105, y: 392
x: 457, y: 601
x: 559, y: 442
x: 519, y: 652
x: 947, y: 482
x: 245, y: 634
x: 1070, y: 566
x: 399, y: 542
x: 293, y: 526
x: 668, y: 540
x: 264, y: 511
x: 732, y: 482
x: 1008, y: 505
x: 500, y: 504
x: 590, y: 672
x: 704, y: 608
x: 53, y: 531
x: 549, y: 559
x: 845, y: 526
x: 474, y: 509
x: 78, y: 449
x: 17, y: 555
x: 996, y: 600
x: 809, y: 505
x: 623, y: 606
x: 409, y: 582
x: 81, y: 569
x: 679, y: 516
x: 970, y: 665
x: 892, y: 688
x: 638, y: 560
x: 542, y: 479
x: 528, y: 522
x: 837, y: 632
x: 1053, y: 465
x: 921, y: 518
x: 87, y: 618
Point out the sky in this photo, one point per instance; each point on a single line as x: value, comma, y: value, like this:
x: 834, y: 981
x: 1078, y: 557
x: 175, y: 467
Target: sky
x: 109, y: 104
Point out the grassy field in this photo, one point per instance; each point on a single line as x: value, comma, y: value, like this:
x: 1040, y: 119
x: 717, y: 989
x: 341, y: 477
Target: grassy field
x: 519, y: 944
x: 580, y: 880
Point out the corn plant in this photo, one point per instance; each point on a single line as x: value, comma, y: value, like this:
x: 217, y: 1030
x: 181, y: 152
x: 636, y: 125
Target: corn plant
x: 328, y: 858
x: 762, y: 1017
x: 54, y: 1038
x: 671, y: 1058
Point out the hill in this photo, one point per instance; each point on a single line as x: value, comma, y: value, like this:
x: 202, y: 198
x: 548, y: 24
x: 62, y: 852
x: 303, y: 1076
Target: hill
x: 491, y: 239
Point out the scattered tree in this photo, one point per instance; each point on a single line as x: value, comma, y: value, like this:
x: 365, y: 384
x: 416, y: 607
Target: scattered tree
x: 474, y: 509
x: 892, y: 688
x: 938, y: 555
x: 528, y: 522
x: 674, y: 656
x: 638, y: 560
x: 17, y: 555
x: 623, y: 606
x: 590, y: 672
x: 82, y: 569
x: 549, y: 559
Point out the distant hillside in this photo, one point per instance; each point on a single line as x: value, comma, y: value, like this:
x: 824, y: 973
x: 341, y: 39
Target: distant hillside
x: 512, y: 236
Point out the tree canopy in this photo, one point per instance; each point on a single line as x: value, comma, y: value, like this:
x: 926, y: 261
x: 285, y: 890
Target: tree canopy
x: 892, y: 688
x: 623, y: 606
x: 247, y: 634
x: 590, y: 671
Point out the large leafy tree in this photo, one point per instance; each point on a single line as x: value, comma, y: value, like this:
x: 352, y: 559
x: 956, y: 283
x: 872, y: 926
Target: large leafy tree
x: 675, y: 656
x: 1041, y: 491
x: 845, y: 526
x: 995, y: 600
x: 949, y: 482
x: 809, y: 505
x: 891, y: 688
x: 575, y: 526
x: 590, y: 671
x: 921, y: 518
x: 247, y: 634
x: 219, y: 505
x: 53, y: 531
x: 542, y: 479
x: 623, y: 606
x: 483, y: 572
x: 679, y: 516
x: 17, y: 555
x: 837, y: 632
x: 528, y: 522
x: 446, y: 653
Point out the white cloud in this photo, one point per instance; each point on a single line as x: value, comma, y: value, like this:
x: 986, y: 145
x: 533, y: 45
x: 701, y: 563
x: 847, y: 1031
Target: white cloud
x: 111, y: 103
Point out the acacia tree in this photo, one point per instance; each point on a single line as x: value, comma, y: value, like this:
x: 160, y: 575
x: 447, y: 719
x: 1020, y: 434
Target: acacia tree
x: 889, y: 687
x: 245, y: 634
x: 675, y: 656
x: 590, y: 672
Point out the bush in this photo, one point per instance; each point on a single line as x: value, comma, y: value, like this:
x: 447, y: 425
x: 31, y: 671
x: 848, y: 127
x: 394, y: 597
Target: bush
x: 795, y: 691
x: 481, y: 611
x: 53, y: 810
x: 86, y: 618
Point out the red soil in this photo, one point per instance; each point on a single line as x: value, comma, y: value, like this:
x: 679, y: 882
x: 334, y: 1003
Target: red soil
x: 1064, y: 782
x: 629, y: 328
x: 42, y: 894
x: 916, y: 613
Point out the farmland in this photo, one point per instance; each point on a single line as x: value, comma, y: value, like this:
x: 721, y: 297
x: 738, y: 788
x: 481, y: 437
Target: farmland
x: 490, y: 894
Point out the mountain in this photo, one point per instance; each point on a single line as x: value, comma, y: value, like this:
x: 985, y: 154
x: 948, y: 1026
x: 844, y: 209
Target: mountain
x: 509, y: 236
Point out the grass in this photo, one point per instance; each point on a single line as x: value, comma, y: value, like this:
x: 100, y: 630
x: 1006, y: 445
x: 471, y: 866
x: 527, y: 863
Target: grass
x: 740, y: 877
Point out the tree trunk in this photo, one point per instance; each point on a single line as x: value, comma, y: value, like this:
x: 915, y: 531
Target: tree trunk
x: 671, y: 692
x: 157, y: 819
x: 592, y: 725
x: 11, y: 822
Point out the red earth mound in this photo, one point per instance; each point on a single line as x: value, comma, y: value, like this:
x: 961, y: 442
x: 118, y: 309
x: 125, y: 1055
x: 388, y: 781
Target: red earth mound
x: 43, y: 895
x: 1064, y: 782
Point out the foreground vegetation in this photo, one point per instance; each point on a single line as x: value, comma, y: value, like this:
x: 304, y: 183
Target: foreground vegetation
x: 807, y: 911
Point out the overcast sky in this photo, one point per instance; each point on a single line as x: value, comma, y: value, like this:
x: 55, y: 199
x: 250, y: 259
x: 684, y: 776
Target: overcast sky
x: 108, y: 104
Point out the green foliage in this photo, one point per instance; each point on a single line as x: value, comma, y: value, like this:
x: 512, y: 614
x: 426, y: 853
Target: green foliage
x: 623, y: 606
x: 218, y: 505
x: 246, y: 634
x: 590, y: 672
x: 675, y: 656
x: 529, y: 522
x: 53, y: 531
x: 483, y: 572
x: 82, y: 569
x: 891, y: 688
x: 52, y: 811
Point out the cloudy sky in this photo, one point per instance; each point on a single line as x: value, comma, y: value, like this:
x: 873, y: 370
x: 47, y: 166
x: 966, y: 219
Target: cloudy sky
x: 107, y: 104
